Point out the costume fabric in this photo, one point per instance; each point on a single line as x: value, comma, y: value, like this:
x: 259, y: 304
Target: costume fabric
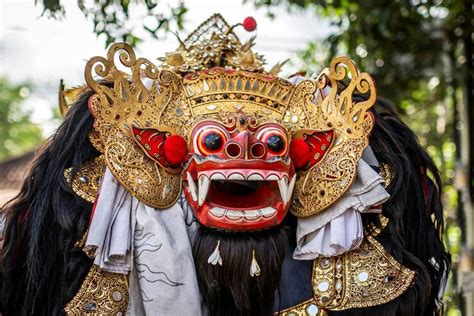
x: 129, y: 236
x: 339, y: 229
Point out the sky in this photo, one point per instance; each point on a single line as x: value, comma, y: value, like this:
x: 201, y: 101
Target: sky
x: 43, y: 51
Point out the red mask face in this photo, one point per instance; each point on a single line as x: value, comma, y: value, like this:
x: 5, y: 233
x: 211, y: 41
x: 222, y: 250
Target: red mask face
x: 239, y: 176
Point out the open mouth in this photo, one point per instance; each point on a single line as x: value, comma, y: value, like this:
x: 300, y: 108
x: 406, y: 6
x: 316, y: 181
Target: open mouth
x: 245, y: 197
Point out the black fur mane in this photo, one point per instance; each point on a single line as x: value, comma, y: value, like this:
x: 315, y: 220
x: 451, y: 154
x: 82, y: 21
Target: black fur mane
x: 41, y: 268
x: 414, y: 233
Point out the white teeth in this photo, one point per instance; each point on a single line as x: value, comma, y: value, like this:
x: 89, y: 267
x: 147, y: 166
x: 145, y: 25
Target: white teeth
x: 272, y: 177
x: 217, y: 176
x: 268, y: 211
x: 291, y: 186
x: 283, y: 185
x: 236, y: 176
x: 217, y: 212
x: 251, y: 215
x: 234, y: 215
x: 204, y: 183
x: 192, y: 186
x: 255, y: 177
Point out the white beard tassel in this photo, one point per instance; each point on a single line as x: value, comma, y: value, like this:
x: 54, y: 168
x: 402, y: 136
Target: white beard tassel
x: 254, y: 267
x: 215, y: 257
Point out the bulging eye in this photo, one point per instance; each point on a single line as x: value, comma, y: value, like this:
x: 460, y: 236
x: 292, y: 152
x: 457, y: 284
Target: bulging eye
x: 213, y: 141
x: 275, y: 139
x: 275, y: 143
x: 209, y: 140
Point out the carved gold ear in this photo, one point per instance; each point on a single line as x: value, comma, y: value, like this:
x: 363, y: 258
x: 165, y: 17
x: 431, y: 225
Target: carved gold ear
x: 321, y: 106
x: 136, y: 95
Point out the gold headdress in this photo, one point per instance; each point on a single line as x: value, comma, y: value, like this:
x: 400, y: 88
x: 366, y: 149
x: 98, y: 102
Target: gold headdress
x: 213, y: 44
x: 210, y: 74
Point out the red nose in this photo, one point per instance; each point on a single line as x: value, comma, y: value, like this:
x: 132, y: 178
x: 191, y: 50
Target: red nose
x: 244, y: 146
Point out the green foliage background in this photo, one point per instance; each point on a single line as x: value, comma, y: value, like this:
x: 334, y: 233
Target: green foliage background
x: 17, y: 133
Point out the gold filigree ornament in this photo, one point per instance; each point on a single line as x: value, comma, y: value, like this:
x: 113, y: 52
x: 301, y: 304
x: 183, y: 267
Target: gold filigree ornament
x: 172, y: 102
x: 365, y: 277
x: 211, y: 43
x: 86, y: 182
x: 101, y: 293
x: 306, y: 308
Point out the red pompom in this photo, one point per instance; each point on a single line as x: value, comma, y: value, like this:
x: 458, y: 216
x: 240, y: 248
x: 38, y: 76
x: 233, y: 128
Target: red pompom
x: 176, y: 150
x: 299, y: 152
x: 249, y: 24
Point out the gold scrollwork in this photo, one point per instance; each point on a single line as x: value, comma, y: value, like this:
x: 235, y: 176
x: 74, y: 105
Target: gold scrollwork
x: 306, y: 308
x: 364, y: 277
x: 101, y: 293
x: 132, y: 102
x: 87, y: 181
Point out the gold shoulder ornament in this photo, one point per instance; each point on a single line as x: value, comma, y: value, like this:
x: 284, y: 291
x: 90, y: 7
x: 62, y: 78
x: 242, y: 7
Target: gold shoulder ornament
x: 101, y: 293
x: 364, y: 277
x: 361, y: 278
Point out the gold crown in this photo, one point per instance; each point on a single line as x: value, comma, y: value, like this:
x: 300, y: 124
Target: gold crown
x: 214, y: 44
x: 174, y: 101
x: 236, y: 90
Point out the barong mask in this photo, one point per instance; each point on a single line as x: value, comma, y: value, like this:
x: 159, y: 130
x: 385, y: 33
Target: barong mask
x: 245, y: 145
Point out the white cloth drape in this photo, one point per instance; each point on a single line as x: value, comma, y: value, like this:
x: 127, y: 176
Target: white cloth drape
x: 339, y: 228
x: 152, y: 245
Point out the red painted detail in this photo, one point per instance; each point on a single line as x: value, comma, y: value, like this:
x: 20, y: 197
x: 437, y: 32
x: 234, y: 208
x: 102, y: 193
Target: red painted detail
x: 152, y: 142
x: 242, y: 167
x: 319, y: 143
x: 267, y: 194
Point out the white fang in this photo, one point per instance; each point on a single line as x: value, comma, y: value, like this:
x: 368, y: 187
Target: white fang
x: 204, y: 183
x: 283, y: 185
x: 192, y: 186
x: 291, y: 186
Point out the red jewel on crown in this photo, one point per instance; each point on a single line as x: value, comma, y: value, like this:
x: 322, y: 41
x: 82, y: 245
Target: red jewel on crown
x: 249, y: 24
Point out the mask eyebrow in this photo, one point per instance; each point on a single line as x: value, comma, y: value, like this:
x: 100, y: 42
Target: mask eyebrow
x: 272, y: 125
